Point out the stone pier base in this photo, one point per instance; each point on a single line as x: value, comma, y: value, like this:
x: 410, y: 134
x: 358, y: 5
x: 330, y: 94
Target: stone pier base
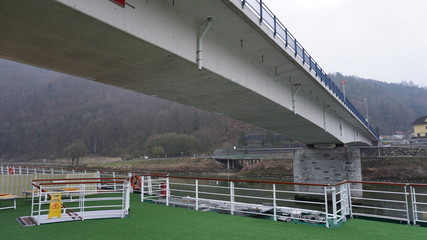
x: 327, y: 166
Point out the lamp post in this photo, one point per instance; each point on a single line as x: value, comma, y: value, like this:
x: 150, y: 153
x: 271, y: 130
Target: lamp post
x: 367, y: 114
x: 343, y: 83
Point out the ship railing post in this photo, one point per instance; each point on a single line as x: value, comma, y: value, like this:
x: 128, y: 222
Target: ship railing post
x: 414, y: 206
x: 98, y: 175
x: 408, y: 205
x: 344, y: 201
x: 334, y: 205
x: 350, y: 205
x: 114, y: 184
x: 33, y: 195
x: 127, y: 188
x: 232, y: 198
x: 167, y: 191
x: 274, y: 202
x: 326, y: 207
x: 142, y: 187
x: 197, y: 194
x: 39, y: 204
x: 149, y: 186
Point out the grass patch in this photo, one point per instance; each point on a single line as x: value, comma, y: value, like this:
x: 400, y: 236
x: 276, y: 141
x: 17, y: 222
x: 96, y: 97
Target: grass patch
x: 150, y: 221
x: 270, y: 168
x: 166, y: 165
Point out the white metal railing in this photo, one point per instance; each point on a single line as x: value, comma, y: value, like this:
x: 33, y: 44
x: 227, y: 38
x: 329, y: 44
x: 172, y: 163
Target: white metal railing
x: 275, y: 200
x: 280, y: 201
x: 381, y: 200
x: 419, y: 203
x: 391, y: 201
x: 21, y: 170
x: 81, y: 199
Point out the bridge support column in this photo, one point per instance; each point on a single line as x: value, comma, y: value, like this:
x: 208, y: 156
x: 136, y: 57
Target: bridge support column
x: 327, y: 166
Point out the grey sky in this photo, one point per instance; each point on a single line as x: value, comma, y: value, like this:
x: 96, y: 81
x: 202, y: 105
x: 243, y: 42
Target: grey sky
x: 384, y: 40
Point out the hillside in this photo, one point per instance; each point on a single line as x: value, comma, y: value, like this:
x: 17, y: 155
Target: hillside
x: 391, y: 106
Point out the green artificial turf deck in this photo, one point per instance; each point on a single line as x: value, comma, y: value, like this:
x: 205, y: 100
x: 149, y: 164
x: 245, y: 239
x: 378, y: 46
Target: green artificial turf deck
x: 151, y: 221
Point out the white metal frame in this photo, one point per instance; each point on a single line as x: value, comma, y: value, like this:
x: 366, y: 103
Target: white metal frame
x: 224, y: 199
x: 87, y: 191
x: 13, y: 198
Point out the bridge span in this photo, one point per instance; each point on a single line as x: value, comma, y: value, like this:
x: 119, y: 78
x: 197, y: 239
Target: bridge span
x: 252, y: 68
x: 233, y: 57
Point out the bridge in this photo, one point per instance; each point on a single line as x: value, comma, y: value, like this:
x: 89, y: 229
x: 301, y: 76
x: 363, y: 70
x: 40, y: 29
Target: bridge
x: 232, y: 57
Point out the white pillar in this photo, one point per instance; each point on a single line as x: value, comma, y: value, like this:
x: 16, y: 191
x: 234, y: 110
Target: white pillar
x: 167, y: 191
x: 142, y: 188
x: 232, y: 198
x: 197, y: 194
x: 274, y: 202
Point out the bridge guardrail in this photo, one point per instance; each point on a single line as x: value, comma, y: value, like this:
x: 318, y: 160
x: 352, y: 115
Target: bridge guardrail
x: 269, y: 18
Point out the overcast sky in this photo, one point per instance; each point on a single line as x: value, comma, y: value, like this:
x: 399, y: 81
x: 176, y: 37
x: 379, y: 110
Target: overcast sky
x: 385, y: 40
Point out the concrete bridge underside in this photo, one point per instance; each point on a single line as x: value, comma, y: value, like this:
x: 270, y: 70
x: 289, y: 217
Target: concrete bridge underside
x: 151, y: 48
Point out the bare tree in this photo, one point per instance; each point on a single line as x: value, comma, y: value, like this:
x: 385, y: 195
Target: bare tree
x: 75, y: 151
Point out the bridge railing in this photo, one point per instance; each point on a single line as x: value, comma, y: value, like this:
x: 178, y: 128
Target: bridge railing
x: 279, y: 30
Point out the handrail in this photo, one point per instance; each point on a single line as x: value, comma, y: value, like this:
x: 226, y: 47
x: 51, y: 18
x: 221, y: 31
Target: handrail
x: 234, y: 180
x: 269, y: 18
x: 381, y: 183
x: 92, y: 182
x: 144, y: 173
x: 67, y: 179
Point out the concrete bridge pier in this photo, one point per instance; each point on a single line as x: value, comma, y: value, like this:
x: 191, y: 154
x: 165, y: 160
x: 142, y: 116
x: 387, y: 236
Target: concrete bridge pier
x: 328, y: 165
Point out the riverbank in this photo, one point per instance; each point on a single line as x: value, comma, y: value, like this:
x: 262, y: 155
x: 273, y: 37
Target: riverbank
x: 393, y: 169
x: 385, y: 169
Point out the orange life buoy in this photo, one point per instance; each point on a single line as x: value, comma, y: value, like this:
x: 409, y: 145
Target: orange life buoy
x: 11, y: 171
x: 135, y: 182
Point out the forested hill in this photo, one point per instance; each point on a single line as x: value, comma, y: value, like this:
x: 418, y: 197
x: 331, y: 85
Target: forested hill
x: 42, y: 113
x: 391, y: 106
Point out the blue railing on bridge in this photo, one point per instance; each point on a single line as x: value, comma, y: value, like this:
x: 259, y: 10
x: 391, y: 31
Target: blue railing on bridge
x: 280, y: 31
